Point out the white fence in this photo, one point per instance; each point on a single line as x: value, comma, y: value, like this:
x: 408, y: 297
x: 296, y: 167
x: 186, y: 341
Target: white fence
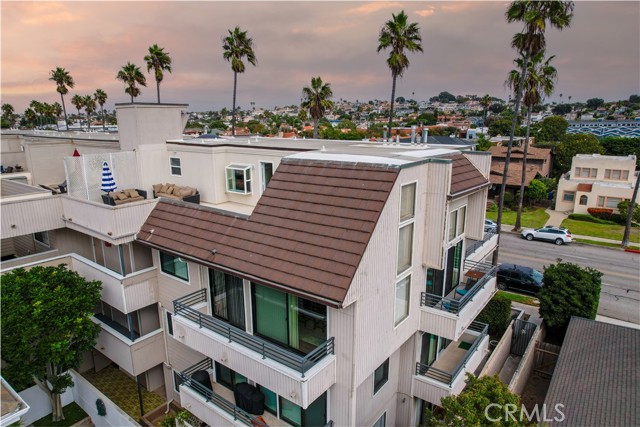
x: 85, y: 395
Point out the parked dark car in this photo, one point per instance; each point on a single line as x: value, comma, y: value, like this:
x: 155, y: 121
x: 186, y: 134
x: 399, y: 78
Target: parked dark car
x: 519, y: 278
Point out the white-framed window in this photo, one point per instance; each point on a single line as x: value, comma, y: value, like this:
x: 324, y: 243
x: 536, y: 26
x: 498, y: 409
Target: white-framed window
x: 457, y: 220
x: 401, y: 311
x: 380, y: 376
x: 42, y: 237
x: 616, y: 174
x: 600, y: 201
x: 569, y: 196
x: 266, y: 172
x: 174, y: 266
x: 612, y: 202
x: 584, y: 200
x: 586, y: 172
x: 238, y: 178
x: 405, y: 231
x: 169, y: 322
x: 175, y: 167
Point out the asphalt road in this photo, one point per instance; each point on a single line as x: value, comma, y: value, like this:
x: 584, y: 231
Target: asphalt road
x: 620, y: 296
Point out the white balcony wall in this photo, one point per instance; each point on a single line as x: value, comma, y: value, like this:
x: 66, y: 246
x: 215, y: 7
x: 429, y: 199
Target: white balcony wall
x: 432, y: 391
x: 193, y: 402
x: 113, y: 224
x: 481, y: 252
x: 451, y: 326
x: 277, y: 377
x: 23, y: 217
x: 135, y: 357
x: 439, y: 181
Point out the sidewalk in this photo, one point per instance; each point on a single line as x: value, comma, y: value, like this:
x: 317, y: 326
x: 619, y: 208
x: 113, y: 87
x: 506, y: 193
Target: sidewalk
x: 556, y: 218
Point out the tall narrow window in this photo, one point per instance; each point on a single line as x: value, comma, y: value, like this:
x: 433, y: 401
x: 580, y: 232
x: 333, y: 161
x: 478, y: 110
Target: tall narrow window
x: 266, y: 170
x: 402, y: 299
x: 382, y: 421
x: 457, y: 219
x: 174, y: 163
x: 169, y: 323
x: 227, y: 296
x: 174, y: 266
x: 405, y: 247
x: 380, y: 376
x: 42, y: 237
x: 408, y: 202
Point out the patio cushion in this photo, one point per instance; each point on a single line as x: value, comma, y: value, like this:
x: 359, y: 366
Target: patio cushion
x: 157, y: 187
x: 164, y: 188
x: 133, y: 193
x: 121, y: 196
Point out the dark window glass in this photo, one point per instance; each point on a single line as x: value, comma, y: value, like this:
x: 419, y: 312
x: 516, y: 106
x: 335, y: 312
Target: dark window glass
x: 380, y: 376
x: 177, y: 381
x: 169, y: 323
x: 228, y: 377
x: 227, y: 295
x: 174, y: 266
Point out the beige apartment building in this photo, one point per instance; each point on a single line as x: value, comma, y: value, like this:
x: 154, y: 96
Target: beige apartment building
x: 596, y: 181
x: 339, y: 280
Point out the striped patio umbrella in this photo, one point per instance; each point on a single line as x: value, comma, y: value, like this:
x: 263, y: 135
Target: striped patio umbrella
x: 108, y: 184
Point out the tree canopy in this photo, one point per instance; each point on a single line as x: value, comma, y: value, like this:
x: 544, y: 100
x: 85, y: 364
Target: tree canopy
x: 622, y: 146
x: 595, y: 103
x: 481, y: 404
x: 552, y: 128
x: 569, y: 290
x: 46, y: 326
x: 571, y: 145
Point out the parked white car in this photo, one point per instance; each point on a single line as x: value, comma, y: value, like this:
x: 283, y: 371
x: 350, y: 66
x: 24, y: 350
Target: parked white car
x: 490, y: 226
x: 557, y: 235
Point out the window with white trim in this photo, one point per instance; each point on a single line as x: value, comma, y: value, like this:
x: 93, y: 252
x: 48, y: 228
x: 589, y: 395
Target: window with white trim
x: 457, y: 221
x: 42, y: 237
x: 569, y: 196
x: 174, y: 266
x: 382, y: 421
x: 176, y: 168
x: 405, y: 232
x: 616, y: 174
x: 401, y: 311
x: 238, y: 179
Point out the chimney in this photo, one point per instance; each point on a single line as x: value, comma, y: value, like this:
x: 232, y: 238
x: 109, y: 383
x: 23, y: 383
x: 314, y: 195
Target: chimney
x: 425, y: 134
x: 413, y: 134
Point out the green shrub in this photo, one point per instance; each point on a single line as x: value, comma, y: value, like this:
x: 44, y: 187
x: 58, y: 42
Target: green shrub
x: 619, y: 219
x: 493, y: 207
x: 509, y: 200
x: 497, y: 314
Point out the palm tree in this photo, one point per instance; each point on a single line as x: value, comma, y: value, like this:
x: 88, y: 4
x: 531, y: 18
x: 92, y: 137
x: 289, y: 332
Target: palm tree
x: 78, y: 102
x: 159, y: 61
x: 38, y: 108
x: 47, y: 112
x: 540, y: 82
x: 8, y: 113
x: 64, y: 82
x: 101, y: 97
x: 400, y: 36
x: 316, y: 100
x: 485, y: 102
x: 235, y: 47
x: 534, y: 15
x: 30, y: 116
x: 131, y: 76
x: 90, y: 107
x: 56, y: 109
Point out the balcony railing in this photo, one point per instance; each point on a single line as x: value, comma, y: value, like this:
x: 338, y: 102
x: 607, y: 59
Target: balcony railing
x: 449, y: 377
x: 478, y: 243
x: 453, y: 305
x: 266, y: 349
x: 216, y: 399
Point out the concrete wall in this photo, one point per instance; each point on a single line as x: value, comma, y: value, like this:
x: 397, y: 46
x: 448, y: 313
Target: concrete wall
x: 500, y: 353
x: 524, y: 370
x: 12, y: 152
x: 39, y: 403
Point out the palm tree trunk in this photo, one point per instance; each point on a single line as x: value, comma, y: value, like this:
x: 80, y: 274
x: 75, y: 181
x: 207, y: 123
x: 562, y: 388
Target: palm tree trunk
x: 632, y: 206
x: 518, y: 226
x: 393, y: 97
x: 233, y: 112
x: 132, y: 99
x: 65, y: 112
x: 88, y: 121
x: 315, y: 128
x: 503, y: 186
x: 104, y: 129
x: 158, y: 90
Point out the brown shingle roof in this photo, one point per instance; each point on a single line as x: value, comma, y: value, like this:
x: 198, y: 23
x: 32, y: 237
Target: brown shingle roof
x: 307, y: 233
x: 596, y: 378
x: 518, y: 152
x: 514, y: 176
x: 464, y: 175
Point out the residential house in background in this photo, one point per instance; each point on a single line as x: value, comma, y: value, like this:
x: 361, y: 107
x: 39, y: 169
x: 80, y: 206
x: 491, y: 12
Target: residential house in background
x: 339, y: 280
x: 596, y: 181
x: 538, y: 164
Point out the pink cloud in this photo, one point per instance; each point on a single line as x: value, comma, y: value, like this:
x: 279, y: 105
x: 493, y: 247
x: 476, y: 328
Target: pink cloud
x: 40, y: 13
x: 368, y: 8
x: 425, y: 12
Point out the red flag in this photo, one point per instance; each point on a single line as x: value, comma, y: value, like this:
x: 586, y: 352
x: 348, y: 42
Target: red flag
x: 75, y: 153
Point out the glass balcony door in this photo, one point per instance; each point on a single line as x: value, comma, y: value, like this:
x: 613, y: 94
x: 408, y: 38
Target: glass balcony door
x: 227, y: 296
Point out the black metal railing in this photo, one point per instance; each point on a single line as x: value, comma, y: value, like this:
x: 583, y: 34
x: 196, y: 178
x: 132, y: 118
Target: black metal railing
x: 477, y: 243
x: 214, y: 398
x: 329, y: 423
x: 449, y: 377
x: 265, y: 348
x: 453, y: 305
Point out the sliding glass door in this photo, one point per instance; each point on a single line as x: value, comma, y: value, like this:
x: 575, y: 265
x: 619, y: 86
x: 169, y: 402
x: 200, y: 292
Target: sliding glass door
x: 288, y: 320
x: 227, y: 296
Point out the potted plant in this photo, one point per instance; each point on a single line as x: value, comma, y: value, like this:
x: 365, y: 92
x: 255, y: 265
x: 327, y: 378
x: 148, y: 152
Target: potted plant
x: 17, y: 168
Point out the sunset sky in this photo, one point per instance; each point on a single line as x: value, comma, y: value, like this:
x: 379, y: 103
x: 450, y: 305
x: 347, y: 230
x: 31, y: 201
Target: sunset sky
x: 466, y: 50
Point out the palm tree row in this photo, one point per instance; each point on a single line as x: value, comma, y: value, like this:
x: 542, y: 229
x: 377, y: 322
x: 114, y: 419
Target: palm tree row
x: 535, y: 15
